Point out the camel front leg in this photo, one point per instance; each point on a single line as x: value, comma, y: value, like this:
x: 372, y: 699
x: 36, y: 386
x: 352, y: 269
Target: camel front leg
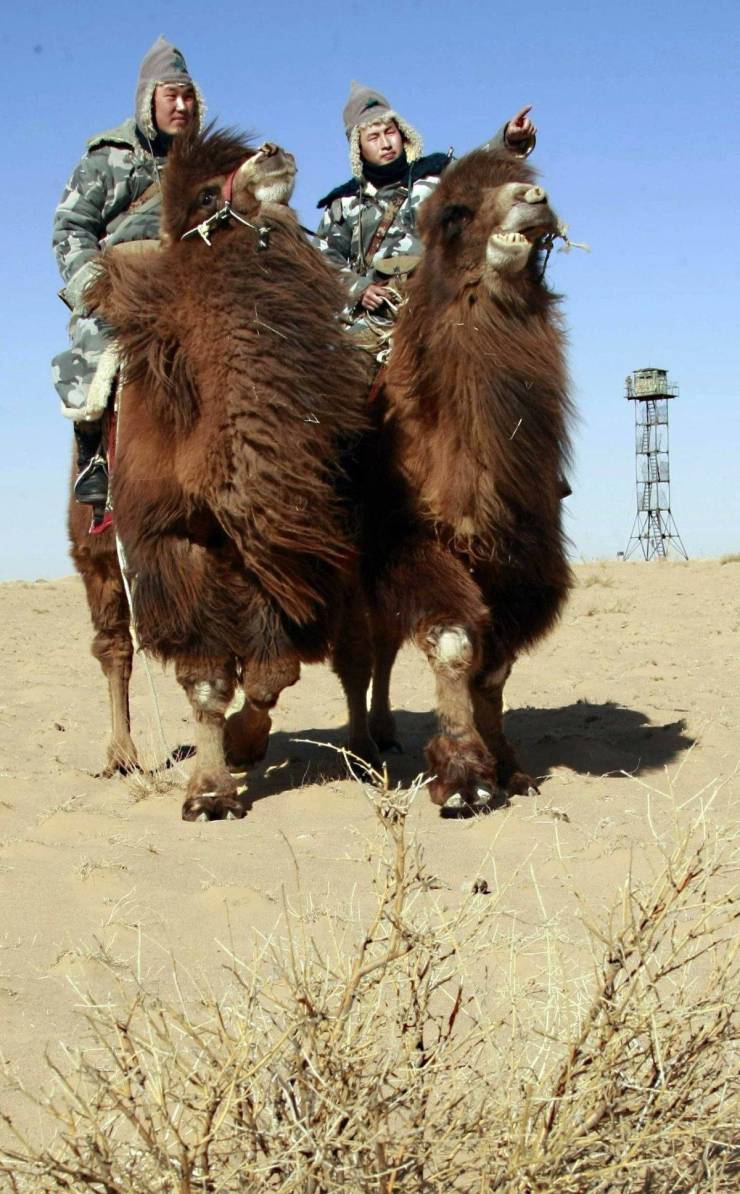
x: 212, y: 790
x: 247, y: 732
x: 487, y: 691
x: 465, y: 774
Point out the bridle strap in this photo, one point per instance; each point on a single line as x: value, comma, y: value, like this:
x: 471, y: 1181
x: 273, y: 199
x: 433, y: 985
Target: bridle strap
x: 226, y: 213
x: 227, y: 190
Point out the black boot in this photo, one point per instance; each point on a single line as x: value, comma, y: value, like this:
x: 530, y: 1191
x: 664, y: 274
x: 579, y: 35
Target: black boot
x: 91, y: 486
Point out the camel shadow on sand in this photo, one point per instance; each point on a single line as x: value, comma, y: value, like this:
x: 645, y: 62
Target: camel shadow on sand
x: 591, y: 739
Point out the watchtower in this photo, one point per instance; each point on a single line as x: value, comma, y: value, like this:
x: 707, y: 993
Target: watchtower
x: 654, y: 532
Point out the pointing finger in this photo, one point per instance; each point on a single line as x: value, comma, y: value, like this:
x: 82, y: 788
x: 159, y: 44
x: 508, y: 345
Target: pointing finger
x: 521, y: 114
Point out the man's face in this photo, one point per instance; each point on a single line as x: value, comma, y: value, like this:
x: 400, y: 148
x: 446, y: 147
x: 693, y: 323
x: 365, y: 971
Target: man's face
x: 381, y: 143
x: 174, y: 107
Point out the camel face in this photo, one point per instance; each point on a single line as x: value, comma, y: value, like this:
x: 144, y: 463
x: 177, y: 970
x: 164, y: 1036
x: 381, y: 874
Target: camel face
x: 207, y: 171
x: 485, y: 222
x: 266, y: 176
x: 521, y: 216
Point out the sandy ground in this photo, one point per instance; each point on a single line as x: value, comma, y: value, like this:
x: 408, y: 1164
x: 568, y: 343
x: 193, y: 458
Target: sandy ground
x: 629, y: 710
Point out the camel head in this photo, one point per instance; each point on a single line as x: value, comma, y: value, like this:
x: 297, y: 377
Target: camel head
x: 204, y: 171
x: 486, y: 220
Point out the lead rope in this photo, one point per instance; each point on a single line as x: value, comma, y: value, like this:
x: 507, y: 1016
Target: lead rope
x: 175, y: 765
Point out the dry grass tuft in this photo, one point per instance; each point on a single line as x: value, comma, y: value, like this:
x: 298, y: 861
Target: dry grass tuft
x: 732, y: 558
x: 602, y: 578
x: 391, y: 1060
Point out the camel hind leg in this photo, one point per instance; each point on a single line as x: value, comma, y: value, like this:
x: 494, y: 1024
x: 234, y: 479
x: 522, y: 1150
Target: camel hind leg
x: 386, y: 644
x: 352, y: 661
x: 111, y: 646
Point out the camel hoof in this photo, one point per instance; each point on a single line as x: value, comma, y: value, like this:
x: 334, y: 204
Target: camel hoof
x: 209, y: 806
x: 483, y: 798
x: 455, y: 806
x: 125, y: 766
x: 363, y: 758
x: 521, y: 784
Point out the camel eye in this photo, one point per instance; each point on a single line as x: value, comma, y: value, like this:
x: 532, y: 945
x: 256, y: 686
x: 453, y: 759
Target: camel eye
x: 454, y: 218
x: 207, y: 197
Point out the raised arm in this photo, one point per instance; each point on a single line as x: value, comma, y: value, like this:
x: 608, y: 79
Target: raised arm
x: 519, y: 134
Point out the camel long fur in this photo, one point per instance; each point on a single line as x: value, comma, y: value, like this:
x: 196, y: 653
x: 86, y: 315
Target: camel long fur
x: 466, y: 551
x: 242, y: 398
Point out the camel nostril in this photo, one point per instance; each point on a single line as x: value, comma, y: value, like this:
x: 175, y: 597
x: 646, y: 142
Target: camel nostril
x: 535, y: 195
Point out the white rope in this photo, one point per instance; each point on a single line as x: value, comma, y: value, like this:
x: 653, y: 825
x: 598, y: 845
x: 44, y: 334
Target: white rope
x: 123, y: 565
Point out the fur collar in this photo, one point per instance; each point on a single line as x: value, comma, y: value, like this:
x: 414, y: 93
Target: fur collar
x: 433, y: 163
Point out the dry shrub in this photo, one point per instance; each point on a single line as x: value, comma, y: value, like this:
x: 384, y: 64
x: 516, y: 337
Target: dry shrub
x: 387, y: 1060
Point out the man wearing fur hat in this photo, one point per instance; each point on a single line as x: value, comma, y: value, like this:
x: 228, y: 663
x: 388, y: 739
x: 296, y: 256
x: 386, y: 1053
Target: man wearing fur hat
x: 113, y: 199
x: 369, y: 224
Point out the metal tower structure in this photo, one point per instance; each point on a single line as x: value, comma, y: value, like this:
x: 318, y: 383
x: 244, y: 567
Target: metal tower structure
x: 654, y: 531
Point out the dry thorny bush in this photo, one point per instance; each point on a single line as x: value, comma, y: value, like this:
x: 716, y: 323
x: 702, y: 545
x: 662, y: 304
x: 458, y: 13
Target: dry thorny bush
x: 401, y: 1057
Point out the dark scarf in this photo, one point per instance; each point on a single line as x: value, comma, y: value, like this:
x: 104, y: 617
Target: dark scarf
x: 384, y: 175
x: 434, y: 163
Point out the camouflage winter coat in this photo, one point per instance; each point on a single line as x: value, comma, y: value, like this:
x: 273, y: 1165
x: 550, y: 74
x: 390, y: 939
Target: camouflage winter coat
x: 99, y: 209
x: 354, y: 210
x: 94, y: 210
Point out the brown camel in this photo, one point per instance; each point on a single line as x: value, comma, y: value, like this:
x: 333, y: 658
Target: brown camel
x: 464, y: 547
x: 240, y: 399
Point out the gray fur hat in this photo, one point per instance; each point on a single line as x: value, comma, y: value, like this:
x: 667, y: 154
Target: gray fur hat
x: 162, y: 63
x: 366, y: 106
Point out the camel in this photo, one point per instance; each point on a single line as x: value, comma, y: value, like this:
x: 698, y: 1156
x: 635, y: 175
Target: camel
x: 239, y: 401
x: 464, y: 547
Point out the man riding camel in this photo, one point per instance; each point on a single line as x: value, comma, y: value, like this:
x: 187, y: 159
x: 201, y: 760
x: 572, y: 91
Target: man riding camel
x: 113, y: 198
x: 369, y: 224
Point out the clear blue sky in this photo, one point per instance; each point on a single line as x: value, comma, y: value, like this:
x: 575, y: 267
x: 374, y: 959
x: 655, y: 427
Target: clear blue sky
x: 637, y: 105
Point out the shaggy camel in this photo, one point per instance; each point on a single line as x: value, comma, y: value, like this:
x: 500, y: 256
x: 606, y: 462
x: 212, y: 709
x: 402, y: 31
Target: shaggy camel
x: 465, y: 551
x: 240, y: 397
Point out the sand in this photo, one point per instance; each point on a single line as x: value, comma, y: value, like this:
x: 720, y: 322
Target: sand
x: 628, y: 710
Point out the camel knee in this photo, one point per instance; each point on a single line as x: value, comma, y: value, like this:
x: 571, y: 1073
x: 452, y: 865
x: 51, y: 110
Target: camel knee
x: 113, y: 648
x: 450, y: 648
x: 263, y: 682
x: 209, y: 690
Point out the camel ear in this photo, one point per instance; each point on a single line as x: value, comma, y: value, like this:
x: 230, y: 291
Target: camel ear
x: 453, y: 219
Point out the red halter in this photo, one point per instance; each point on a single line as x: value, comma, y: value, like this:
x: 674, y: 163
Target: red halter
x: 227, y: 190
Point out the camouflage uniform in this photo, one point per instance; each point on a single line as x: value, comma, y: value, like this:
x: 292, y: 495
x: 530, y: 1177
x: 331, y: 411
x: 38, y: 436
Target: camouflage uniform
x: 95, y: 213
x: 354, y: 210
